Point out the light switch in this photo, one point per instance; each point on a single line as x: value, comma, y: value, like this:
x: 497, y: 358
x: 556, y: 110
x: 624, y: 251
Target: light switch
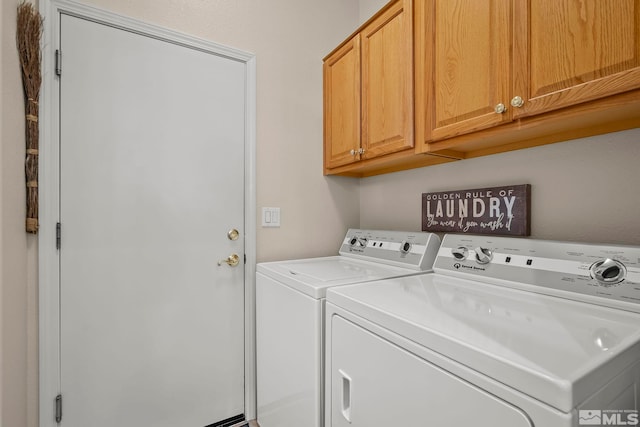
x: 271, y: 217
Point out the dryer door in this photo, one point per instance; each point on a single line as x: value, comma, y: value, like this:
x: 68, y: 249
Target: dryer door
x: 375, y: 383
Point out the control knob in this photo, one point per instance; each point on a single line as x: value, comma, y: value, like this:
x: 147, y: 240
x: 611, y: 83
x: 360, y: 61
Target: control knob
x: 460, y: 253
x: 608, y: 272
x: 405, y: 247
x: 358, y: 241
x: 483, y: 255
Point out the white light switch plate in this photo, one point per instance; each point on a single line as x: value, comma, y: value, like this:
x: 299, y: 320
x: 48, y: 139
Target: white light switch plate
x: 271, y: 217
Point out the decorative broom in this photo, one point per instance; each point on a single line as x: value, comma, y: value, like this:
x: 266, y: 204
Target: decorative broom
x: 28, y: 37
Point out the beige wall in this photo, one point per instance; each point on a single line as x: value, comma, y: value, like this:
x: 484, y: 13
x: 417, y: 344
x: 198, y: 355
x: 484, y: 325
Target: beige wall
x: 368, y: 8
x: 18, y: 304
x: 584, y: 190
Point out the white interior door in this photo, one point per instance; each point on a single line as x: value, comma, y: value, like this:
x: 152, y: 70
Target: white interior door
x: 151, y: 181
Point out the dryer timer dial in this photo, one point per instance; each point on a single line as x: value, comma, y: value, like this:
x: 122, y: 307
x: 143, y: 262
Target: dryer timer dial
x: 358, y: 242
x: 405, y: 247
x: 608, y: 272
x: 483, y: 255
x: 460, y: 253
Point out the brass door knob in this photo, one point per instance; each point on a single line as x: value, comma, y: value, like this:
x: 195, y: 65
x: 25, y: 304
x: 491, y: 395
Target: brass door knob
x: 232, y: 260
x: 233, y: 234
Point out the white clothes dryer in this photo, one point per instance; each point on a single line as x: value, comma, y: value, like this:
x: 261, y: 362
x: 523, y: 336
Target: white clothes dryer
x: 507, y: 332
x: 290, y: 299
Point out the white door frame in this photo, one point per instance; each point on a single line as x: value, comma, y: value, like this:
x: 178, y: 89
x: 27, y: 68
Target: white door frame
x: 49, y: 271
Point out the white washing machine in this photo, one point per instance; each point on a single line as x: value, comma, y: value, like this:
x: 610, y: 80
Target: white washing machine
x: 290, y: 298
x: 507, y: 332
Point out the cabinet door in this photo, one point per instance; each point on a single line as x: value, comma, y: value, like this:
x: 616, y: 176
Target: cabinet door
x: 342, y: 105
x: 387, y: 82
x: 576, y: 51
x: 374, y: 383
x: 463, y: 69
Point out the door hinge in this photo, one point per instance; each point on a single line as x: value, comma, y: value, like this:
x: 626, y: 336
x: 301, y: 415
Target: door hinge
x: 58, y: 62
x: 58, y: 408
x: 58, y: 235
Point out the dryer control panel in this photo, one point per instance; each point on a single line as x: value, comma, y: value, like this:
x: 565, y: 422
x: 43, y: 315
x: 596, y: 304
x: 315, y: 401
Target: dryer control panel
x: 416, y: 250
x: 603, y: 274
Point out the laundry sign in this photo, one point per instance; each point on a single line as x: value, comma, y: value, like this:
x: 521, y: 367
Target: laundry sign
x: 495, y: 210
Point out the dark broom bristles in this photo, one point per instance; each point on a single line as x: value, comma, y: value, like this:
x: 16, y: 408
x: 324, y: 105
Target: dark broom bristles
x: 28, y: 36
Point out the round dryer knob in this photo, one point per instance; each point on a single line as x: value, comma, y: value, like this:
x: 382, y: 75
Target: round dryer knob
x: 483, y: 255
x: 460, y: 253
x: 353, y: 241
x: 405, y: 247
x: 608, y: 272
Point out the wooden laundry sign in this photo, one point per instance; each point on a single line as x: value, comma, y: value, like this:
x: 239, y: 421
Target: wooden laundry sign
x: 495, y: 210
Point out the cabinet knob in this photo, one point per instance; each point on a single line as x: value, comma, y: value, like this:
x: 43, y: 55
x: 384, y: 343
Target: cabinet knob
x: 352, y: 152
x: 500, y: 108
x: 361, y: 151
x: 517, y: 102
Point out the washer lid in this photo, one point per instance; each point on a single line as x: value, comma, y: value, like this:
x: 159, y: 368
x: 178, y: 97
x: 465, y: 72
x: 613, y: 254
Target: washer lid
x: 314, y: 275
x: 556, y: 350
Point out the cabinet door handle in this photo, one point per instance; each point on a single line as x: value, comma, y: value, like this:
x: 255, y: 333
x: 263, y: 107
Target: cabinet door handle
x: 346, y: 395
x: 361, y: 151
x: 352, y: 152
x: 517, y: 102
x: 500, y: 108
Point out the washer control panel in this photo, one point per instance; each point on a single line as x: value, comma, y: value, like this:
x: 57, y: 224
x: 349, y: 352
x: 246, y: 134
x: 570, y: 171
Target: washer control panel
x: 416, y: 250
x: 586, y: 271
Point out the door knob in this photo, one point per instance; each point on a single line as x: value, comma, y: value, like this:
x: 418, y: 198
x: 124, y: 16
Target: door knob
x: 232, y: 260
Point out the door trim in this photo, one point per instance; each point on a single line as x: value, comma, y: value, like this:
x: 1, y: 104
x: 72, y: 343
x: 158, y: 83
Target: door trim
x: 48, y: 264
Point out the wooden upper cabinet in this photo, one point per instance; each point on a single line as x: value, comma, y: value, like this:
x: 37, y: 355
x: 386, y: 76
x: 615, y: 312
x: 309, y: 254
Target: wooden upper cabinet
x: 467, y: 78
x: 463, y: 66
x: 368, y: 90
x: 342, y: 104
x: 577, y: 51
x: 531, y: 56
x: 387, y: 81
